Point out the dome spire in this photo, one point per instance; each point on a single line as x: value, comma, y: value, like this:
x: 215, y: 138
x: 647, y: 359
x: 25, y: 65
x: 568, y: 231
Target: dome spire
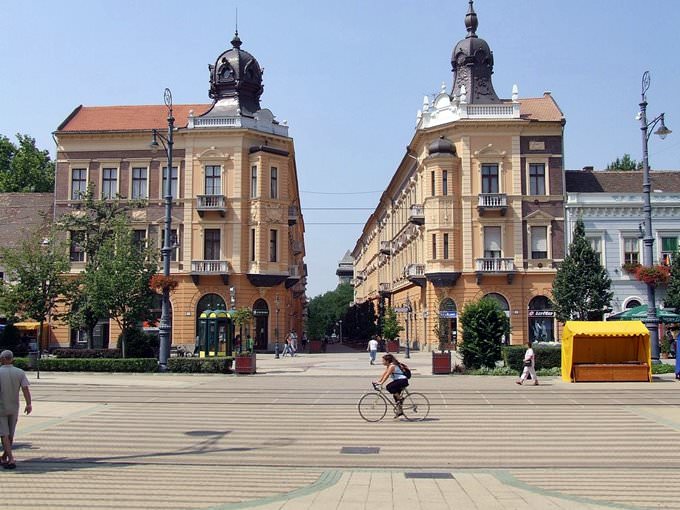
x: 236, y: 41
x: 471, y: 22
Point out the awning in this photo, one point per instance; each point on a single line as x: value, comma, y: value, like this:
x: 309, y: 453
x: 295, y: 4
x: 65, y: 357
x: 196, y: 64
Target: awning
x: 29, y: 325
x: 639, y: 313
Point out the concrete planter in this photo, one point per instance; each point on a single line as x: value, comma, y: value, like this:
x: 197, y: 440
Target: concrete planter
x: 441, y: 363
x: 245, y: 364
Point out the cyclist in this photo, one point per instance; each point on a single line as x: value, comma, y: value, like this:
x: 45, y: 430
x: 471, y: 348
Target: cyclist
x: 398, y: 383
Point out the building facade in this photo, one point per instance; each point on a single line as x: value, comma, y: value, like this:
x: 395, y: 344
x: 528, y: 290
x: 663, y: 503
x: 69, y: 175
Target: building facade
x: 237, y: 228
x: 610, y: 203
x: 475, y: 208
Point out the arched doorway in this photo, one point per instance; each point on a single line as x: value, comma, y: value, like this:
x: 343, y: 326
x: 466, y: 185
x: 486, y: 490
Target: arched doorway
x: 448, y: 322
x: 261, y: 315
x: 541, y: 320
x: 504, y: 306
x: 208, y: 302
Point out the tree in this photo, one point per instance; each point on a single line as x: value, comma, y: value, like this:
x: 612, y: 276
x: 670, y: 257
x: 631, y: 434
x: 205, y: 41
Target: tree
x: 242, y: 316
x: 625, y: 164
x: 37, y: 269
x: 484, y: 324
x: 391, y: 327
x: 326, y: 309
x: 673, y: 289
x: 581, y: 288
x: 24, y: 167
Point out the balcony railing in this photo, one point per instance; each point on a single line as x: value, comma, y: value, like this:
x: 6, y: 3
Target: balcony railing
x: 292, y: 215
x: 297, y: 247
x: 495, y: 265
x: 417, y: 214
x: 206, y: 203
x: 384, y: 289
x: 415, y: 271
x: 493, y: 201
x: 210, y: 266
x: 386, y: 247
x: 294, y: 272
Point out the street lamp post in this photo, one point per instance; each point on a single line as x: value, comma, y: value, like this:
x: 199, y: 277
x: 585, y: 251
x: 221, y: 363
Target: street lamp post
x: 408, y: 318
x: 340, y: 325
x: 276, y: 345
x: 651, y: 321
x: 165, y: 329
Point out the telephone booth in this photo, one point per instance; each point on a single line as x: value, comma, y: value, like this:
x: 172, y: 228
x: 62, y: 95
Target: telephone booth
x: 215, y: 333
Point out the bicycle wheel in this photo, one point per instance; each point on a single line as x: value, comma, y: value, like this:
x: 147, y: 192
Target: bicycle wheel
x: 372, y: 407
x: 416, y: 407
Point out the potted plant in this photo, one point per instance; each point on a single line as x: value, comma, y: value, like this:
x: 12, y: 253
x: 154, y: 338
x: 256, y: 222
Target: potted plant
x: 441, y: 361
x: 245, y: 360
x: 665, y: 347
x: 315, y: 346
x: 631, y: 267
x: 390, y: 330
x: 159, y: 283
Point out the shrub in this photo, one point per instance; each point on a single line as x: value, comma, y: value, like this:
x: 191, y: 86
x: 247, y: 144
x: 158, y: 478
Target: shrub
x: 662, y: 368
x: 200, y: 365
x: 547, y: 356
x: 139, y: 344
x: 484, y: 324
x: 94, y: 364
x: 86, y: 353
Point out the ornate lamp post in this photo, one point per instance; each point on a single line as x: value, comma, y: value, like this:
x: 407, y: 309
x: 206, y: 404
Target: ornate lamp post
x: 276, y: 345
x: 165, y: 329
x: 340, y: 325
x: 408, y: 319
x: 651, y: 321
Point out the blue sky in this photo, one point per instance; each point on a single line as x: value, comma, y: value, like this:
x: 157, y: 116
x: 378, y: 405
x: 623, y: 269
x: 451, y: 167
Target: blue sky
x: 348, y: 77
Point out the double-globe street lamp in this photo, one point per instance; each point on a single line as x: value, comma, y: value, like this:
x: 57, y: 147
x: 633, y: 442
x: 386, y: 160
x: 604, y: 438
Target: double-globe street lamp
x: 408, y: 310
x: 651, y: 320
x: 165, y: 329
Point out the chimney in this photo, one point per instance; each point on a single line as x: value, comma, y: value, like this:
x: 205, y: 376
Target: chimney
x: 587, y: 168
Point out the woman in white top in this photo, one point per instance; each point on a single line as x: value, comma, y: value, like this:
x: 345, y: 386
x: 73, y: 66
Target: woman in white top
x: 529, y: 366
x: 398, y: 383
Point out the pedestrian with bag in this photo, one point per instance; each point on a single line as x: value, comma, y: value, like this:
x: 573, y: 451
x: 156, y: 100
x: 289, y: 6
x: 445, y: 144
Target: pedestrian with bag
x: 400, y: 375
x: 529, y: 366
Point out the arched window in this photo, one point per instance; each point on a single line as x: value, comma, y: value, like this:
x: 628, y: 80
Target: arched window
x: 541, y: 320
x: 261, y: 316
x: 633, y: 303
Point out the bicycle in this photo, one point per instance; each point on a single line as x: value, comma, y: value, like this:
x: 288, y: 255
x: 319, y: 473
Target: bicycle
x: 373, y: 405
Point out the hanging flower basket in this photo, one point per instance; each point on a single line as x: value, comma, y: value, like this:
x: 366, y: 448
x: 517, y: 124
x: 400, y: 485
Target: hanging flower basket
x: 631, y: 267
x: 160, y: 282
x: 653, y: 275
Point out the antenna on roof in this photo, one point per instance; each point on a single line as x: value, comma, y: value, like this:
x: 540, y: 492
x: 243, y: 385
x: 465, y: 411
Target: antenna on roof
x: 236, y: 20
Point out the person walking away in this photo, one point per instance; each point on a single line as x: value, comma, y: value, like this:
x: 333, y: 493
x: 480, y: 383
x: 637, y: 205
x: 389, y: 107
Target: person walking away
x: 398, y: 383
x: 286, y: 347
x: 293, y: 343
x: 11, y: 380
x: 372, y: 349
x: 529, y: 366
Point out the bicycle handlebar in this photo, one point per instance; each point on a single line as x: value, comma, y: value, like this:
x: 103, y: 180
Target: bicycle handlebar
x: 376, y: 386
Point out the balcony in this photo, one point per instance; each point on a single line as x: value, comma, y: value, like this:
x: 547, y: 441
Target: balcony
x: 493, y: 202
x: 209, y: 268
x: 417, y: 214
x: 495, y: 266
x: 207, y: 203
x: 415, y: 273
x: 294, y: 275
x: 384, y: 289
x: 386, y: 247
x: 297, y: 247
x: 293, y: 213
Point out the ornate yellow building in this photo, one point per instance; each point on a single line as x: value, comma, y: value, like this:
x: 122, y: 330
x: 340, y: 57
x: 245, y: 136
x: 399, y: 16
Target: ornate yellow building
x: 237, y: 230
x: 475, y: 208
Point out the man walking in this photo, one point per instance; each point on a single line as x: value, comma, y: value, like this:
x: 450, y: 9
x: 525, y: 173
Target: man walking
x: 11, y: 380
x: 372, y: 349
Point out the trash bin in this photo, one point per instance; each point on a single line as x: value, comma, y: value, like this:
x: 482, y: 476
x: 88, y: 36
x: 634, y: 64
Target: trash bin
x: 33, y: 359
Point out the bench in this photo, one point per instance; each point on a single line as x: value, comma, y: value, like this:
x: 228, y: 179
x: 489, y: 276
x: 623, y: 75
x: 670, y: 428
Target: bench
x: 623, y: 372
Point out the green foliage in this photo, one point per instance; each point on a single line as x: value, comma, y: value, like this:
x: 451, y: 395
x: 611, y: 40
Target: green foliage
x: 93, y: 364
x: 326, y: 309
x: 359, y: 322
x: 672, y: 299
x: 200, y: 365
x: 626, y: 163
x: 86, y: 353
x: 138, y: 344
x: 25, y: 168
x: 662, y: 368
x: 10, y: 339
x: 581, y: 288
x: 491, y: 371
x: 548, y: 356
x: 484, y: 324
x: 391, y: 327
x: 37, y: 269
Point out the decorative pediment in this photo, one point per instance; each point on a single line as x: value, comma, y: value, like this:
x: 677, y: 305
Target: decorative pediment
x: 539, y: 216
x: 212, y: 153
x: 490, y: 152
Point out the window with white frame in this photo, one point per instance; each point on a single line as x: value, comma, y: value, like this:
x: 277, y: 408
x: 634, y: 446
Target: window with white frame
x: 273, y: 245
x: 631, y: 250
x: 446, y: 246
x: 211, y: 244
x: 445, y: 182
x: 596, y: 245
x: 274, y: 182
x: 669, y: 246
x: 213, y: 180
x: 536, y: 179
x: 76, y: 246
x: 139, y: 182
x: 539, y: 242
x: 109, y: 183
x: 490, y: 178
x: 139, y: 238
x: 253, y: 181
x: 434, y: 246
x: 173, y: 182
x: 492, y: 242
x: 78, y: 183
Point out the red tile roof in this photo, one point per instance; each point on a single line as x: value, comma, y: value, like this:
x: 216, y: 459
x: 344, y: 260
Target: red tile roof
x: 127, y: 118
x: 540, y: 108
